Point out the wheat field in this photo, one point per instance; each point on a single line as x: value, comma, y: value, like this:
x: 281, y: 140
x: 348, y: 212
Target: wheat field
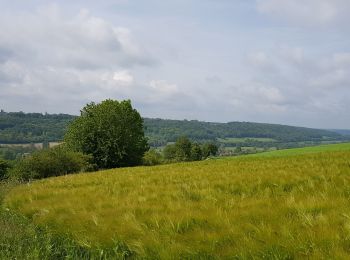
x: 283, y: 206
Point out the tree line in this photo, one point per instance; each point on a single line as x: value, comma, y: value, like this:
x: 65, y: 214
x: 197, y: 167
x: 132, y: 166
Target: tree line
x: 19, y: 127
x: 183, y: 150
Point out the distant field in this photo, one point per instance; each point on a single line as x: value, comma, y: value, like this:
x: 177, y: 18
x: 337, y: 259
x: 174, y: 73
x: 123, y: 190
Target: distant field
x: 277, y: 205
x: 36, y: 145
x: 246, y: 139
x: 305, y: 150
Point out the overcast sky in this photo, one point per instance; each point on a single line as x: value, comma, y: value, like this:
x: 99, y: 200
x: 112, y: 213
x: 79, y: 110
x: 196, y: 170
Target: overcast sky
x: 276, y: 61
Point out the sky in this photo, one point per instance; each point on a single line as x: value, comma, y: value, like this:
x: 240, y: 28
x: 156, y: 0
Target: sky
x: 274, y: 61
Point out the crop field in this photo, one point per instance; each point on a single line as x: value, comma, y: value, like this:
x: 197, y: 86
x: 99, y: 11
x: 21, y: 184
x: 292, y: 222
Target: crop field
x: 36, y: 145
x: 245, y: 139
x: 278, y: 205
x: 305, y: 150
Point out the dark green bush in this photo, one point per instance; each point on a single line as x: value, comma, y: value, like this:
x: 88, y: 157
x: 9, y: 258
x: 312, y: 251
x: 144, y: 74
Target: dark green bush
x: 184, y: 150
x: 209, y: 149
x: 196, y: 152
x: 51, y: 162
x: 4, y: 166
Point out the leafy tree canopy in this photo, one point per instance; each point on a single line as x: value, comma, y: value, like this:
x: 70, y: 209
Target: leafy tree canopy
x: 111, y: 131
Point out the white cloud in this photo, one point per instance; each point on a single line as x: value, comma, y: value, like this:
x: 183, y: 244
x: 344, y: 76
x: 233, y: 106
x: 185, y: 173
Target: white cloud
x: 302, y: 83
x: 51, y: 56
x: 306, y: 12
x: 161, y: 90
x: 342, y: 59
x: 258, y: 59
x: 60, y: 57
x: 333, y: 73
x: 123, y: 78
x: 163, y: 87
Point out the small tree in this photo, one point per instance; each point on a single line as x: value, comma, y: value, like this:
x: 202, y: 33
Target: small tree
x: 169, y: 153
x: 112, y: 132
x: 183, y: 149
x: 209, y: 149
x: 196, y: 152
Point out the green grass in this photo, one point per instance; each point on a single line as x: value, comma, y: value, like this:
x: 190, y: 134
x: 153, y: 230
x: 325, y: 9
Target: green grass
x: 279, y: 205
x: 245, y: 139
x: 305, y: 150
x: 20, y: 238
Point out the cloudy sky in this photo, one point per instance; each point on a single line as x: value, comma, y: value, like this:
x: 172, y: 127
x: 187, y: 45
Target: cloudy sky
x: 277, y: 61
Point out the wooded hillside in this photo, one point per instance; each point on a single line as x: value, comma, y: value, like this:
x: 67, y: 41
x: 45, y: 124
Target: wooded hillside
x: 19, y: 127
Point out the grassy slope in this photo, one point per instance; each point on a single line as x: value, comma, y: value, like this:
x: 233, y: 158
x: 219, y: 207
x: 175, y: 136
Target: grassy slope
x: 278, y: 206
x: 20, y: 238
x: 305, y: 150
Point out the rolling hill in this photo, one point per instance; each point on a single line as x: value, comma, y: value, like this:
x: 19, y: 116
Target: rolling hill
x: 341, y: 131
x: 19, y: 127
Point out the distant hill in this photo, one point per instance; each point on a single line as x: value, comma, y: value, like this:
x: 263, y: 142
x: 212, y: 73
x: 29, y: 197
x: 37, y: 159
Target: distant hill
x: 161, y: 131
x: 341, y: 131
x: 19, y: 127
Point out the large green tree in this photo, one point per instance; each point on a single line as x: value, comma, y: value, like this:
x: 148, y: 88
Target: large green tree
x: 111, y: 131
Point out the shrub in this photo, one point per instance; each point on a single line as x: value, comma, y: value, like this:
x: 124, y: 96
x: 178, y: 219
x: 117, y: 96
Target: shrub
x: 196, y: 152
x: 183, y: 149
x: 51, y: 162
x: 209, y: 149
x: 169, y: 153
x: 152, y: 157
x: 4, y: 166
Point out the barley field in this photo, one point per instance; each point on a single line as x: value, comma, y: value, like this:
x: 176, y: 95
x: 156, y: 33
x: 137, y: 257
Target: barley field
x: 279, y: 205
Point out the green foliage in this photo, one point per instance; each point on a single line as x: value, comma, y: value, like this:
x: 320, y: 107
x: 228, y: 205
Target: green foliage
x: 196, y: 152
x: 19, y: 127
x: 49, y: 163
x: 183, y: 149
x: 152, y: 157
x: 169, y: 153
x: 209, y: 149
x: 160, y: 132
x: 112, y: 132
x: 4, y: 166
x: 238, y: 150
x: 15, y: 152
